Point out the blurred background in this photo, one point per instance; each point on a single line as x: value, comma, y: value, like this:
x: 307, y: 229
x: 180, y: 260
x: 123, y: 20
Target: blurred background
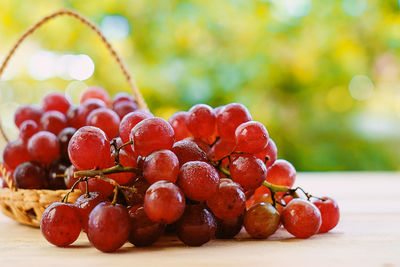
x: 323, y: 76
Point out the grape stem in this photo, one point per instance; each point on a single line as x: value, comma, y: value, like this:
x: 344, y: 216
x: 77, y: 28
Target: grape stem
x: 114, y: 169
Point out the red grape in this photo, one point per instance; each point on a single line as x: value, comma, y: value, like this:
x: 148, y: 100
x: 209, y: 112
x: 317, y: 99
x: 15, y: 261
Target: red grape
x: 144, y: 231
x: 85, y: 204
x: 221, y: 149
x: 56, y: 183
x: 248, y: 171
x: 301, y: 218
x: 229, y: 201
x: 129, y: 121
x: 53, y: 121
x: 60, y: 224
x: 29, y: 175
x: 150, y: 135
x: 72, y: 116
x: 126, y: 159
x: 89, y: 148
x: 109, y: 226
x: 329, y: 213
x: 261, y: 220
x: 85, y: 109
x: 251, y: 137
x: 164, y: 202
x: 178, y: 123
x: 105, y: 119
x: 161, y: 165
x: 201, y: 121
x: 15, y: 153
x: 187, y: 151
x: 69, y: 178
x: 197, y: 226
x: 281, y: 173
x: 122, y: 96
x: 56, y: 101
x: 28, y: 112
x: 97, y: 185
x: 218, y: 110
x: 202, y: 145
x: 230, y: 118
x: 227, y: 229
x: 269, y: 154
x: 96, y: 92
x: 124, y: 107
x: 198, y: 180
x: 64, y: 137
x: 27, y: 129
x: 44, y: 147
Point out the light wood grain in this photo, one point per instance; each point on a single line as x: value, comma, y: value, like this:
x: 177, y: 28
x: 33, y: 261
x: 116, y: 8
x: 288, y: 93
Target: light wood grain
x: 368, y: 235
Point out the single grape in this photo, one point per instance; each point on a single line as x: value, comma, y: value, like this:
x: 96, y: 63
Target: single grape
x: 198, y: 180
x: 269, y: 154
x: 201, y: 121
x: 122, y: 96
x: 29, y: 175
x: 96, y: 92
x: 69, y: 178
x: 261, y: 220
x: 72, y: 116
x: 230, y: 118
x: 227, y: 229
x: 329, y: 213
x: 129, y: 121
x: 202, y: 145
x: 144, y: 231
x: 229, y: 201
x: 281, y: 173
x: 105, y: 119
x: 28, y: 112
x: 89, y: 148
x: 27, y: 129
x: 56, y: 101
x: 161, y: 165
x: 85, y: 204
x: 221, y: 149
x: 56, y: 167
x: 178, y: 123
x: 251, y: 137
x: 125, y: 107
x: 127, y: 159
x: 197, y: 226
x: 60, y: 224
x: 64, y: 137
x: 187, y: 151
x: 301, y: 218
x: 15, y: 153
x: 97, y: 185
x: 87, y: 107
x: 164, y: 202
x: 109, y: 226
x: 150, y: 135
x: 248, y: 171
x: 137, y: 197
x: 44, y: 147
x: 53, y: 121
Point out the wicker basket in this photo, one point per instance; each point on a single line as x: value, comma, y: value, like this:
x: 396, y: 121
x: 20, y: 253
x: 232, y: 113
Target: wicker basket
x: 27, y: 205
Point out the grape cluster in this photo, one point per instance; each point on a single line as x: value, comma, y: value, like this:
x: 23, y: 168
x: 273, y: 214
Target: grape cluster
x: 205, y: 173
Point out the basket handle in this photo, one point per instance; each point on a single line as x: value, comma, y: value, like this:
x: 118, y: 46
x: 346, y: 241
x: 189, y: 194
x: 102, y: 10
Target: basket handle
x: 132, y: 84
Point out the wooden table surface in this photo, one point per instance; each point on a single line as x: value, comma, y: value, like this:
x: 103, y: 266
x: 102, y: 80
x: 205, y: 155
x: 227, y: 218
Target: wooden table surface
x: 367, y: 235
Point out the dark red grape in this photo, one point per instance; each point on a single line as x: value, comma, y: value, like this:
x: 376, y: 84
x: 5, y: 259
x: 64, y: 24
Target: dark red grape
x: 95, y: 92
x: 15, y: 153
x: 198, y: 180
x: 56, y: 183
x: 89, y: 148
x: 109, y: 226
x: 251, y: 137
x: 201, y: 121
x: 164, y: 202
x: 329, y: 213
x: 105, y: 119
x: 261, y: 220
x: 301, y: 218
x: 282, y: 173
x: 69, y: 178
x: 64, y: 137
x: 161, y: 165
x: 28, y: 112
x: 227, y: 229
x: 187, y: 151
x: 178, y: 123
x: 60, y: 224
x: 269, y: 154
x: 150, y: 135
x: 144, y: 231
x: 248, y: 171
x: 44, y: 147
x: 53, y: 121
x: 29, y: 175
x: 85, y: 204
x: 27, y: 129
x: 230, y: 118
x: 197, y: 226
x: 129, y: 121
x: 56, y: 101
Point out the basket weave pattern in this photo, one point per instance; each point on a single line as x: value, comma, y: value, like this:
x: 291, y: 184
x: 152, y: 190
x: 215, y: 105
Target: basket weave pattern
x: 27, y: 205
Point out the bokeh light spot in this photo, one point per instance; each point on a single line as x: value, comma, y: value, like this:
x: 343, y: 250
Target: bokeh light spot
x: 41, y: 65
x: 115, y: 27
x: 361, y: 87
x: 354, y: 8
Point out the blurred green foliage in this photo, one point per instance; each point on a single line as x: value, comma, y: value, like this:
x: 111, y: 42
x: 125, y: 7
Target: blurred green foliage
x: 290, y: 62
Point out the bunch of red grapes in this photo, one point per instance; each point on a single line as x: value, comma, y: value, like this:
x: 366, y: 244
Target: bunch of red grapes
x: 204, y: 173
